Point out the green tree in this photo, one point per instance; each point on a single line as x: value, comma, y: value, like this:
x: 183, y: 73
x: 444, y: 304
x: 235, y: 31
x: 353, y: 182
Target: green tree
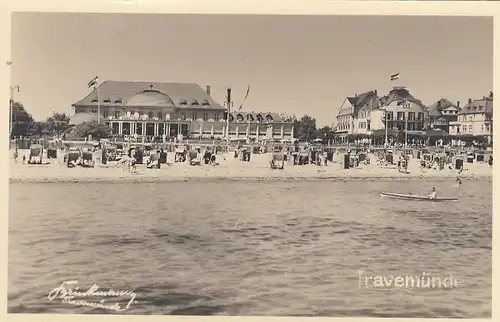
x: 305, y: 128
x: 57, y: 123
x: 325, y: 133
x: 20, y: 120
x: 36, y: 129
x: 98, y: 131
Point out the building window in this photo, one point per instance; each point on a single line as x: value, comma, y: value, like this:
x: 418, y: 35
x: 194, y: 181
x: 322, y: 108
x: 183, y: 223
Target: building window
x: 420, y: 116
x: 160, y: 115
x: 183, y: 116
x: 470, y: 128
x: 205, y: 116
x: 94, y: 111
x: 150, y: 114
x: 482, y: 128
x: 401, y: 116
x: 117, y: 114
x: 195, y: 116
x: 105, y: 113
x: 390, y: 116
x: 411, y: 116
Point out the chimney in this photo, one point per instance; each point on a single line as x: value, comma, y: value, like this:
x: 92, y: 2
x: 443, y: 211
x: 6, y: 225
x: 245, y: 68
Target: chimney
x: 458, y: 104
x: 470, y: 100
x: 375, y: 91
x: 208, y: 89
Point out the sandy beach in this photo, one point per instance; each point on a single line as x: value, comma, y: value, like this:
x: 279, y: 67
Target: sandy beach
x: 231, y: 168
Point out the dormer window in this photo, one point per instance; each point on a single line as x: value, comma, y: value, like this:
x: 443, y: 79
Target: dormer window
x: 269, y: 118
x: 118, y: 101
x: 160, y: 115
x: 94, y: 101
x: 183, y: 102
x: 240, y: 118
x: 260, y: 118
x: 107, y: 101
x: 194, y: 102
x: 250, y: 117
x: 205, y: 103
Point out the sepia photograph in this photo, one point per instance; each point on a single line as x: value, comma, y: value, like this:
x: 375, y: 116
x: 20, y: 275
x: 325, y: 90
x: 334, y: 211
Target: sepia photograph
x: 250, y: 165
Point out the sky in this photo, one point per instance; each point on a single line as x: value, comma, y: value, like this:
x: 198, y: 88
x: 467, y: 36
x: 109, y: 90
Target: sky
x: 294, y: 64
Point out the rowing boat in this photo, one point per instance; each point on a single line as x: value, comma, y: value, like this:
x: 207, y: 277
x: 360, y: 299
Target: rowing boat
x: 415, y: 197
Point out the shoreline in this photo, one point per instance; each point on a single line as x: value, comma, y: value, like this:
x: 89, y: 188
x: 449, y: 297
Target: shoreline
x: 251, y: 179
x: 139, y: 178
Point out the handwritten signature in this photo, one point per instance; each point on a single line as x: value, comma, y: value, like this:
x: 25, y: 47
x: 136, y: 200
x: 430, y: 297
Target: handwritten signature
x: 74, y: 296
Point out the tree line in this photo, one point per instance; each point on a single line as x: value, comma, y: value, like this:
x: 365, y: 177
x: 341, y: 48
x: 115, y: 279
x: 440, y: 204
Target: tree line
x: 305, y: 129
x: 58, y: 124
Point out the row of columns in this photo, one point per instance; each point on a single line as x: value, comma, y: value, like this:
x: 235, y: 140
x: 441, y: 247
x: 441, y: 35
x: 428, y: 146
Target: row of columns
x: 167, y: 126
x: 257, y: 131
x: 133, y: 127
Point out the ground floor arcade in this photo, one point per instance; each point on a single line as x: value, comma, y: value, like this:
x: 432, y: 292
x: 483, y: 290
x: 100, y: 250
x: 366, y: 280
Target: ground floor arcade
x: 208, y: 129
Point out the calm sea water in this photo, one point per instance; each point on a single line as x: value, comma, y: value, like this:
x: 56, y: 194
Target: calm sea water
x: 251, y: 248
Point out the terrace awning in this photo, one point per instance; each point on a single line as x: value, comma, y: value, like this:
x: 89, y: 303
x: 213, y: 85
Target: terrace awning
x: 381, y: 133
x: 417, y: 133
x: 436, y: 133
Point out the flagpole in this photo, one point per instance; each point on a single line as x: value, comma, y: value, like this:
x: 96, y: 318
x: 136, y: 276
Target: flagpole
x: 386, y: 132
x: 98, y: 104
x: 228, y: 102
x: 406, y: 128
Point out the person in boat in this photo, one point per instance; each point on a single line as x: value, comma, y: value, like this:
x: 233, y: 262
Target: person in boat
x: 433, y: 193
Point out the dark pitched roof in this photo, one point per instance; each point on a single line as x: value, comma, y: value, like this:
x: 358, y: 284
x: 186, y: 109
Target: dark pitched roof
x: 352, y: 100
x: 367, y: 100
x: 437, y: 107
x: 178, y: 94
x: 484, y: 105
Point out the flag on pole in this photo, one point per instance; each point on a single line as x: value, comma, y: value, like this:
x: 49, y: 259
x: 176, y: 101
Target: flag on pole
x: 248, y: 91
x: 394, y: 76
x: 246, y: 96
x: 94, y: 81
